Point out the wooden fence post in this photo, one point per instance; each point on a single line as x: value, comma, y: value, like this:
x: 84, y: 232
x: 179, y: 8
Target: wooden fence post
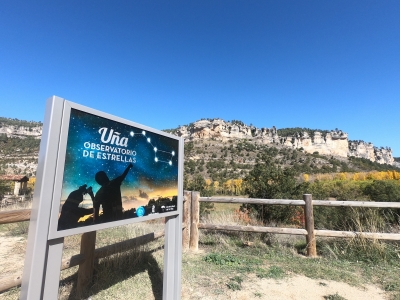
x: 85, y: 271
x: 309, y: 218
x: 187, y: 201
x: 195, y: 217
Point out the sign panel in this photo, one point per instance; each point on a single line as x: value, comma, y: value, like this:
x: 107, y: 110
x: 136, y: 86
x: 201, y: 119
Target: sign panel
x: 113, y: 170
x: 97, y: 171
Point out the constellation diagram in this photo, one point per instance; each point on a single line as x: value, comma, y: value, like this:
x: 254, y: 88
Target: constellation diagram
x: 156, y: 159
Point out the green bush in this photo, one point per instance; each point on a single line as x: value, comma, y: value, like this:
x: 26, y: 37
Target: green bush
x: 268, y: 181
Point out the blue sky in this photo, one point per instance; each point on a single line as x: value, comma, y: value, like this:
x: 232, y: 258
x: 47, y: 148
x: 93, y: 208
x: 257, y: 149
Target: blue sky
x: 316, y: 64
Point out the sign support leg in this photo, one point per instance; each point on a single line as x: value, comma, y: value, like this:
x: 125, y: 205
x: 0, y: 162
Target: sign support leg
x: 172, y: 258
x: 53, y: 266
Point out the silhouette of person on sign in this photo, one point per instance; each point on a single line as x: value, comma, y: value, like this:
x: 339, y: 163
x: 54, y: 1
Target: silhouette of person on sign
x: 71, y: 212
x: 109, y: 196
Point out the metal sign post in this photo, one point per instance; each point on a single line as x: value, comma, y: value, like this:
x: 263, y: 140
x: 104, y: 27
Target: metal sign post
x: 85, y: 152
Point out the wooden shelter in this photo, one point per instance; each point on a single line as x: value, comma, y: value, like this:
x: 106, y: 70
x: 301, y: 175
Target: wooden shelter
x: 21, y: 183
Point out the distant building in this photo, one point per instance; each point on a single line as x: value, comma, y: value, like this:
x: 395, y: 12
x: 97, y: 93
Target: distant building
x: 21, y: 183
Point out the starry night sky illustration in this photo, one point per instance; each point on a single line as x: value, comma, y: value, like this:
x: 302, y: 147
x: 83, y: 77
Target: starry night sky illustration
x: 147, y: 174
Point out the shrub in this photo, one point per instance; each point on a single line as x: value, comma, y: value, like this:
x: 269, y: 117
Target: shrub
x: 268, y: 181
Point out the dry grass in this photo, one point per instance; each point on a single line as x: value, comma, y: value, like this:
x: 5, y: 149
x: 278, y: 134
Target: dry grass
x: 17, y: 205
x: 139, y: 269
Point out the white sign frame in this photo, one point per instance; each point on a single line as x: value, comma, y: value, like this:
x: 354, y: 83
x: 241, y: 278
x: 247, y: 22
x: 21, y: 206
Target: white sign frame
x: 45, y: 243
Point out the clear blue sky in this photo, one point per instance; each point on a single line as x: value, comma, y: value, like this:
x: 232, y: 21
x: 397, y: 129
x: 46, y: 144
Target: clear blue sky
x: 316, y: 64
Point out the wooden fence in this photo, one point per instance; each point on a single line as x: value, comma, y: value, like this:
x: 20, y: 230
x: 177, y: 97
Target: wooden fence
x: 190, y: 231
x: 309, y: 231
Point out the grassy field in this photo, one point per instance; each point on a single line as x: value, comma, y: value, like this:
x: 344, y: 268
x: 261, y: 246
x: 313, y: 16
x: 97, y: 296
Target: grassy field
x: 227, y: 264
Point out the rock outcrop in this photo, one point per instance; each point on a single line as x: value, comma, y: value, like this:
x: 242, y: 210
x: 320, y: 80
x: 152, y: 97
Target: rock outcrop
x: 335, y: 142
x: 13, y: 131
x: 368, y: 151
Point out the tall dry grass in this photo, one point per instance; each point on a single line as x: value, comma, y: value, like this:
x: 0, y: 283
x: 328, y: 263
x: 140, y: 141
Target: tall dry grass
x: 359, y: 247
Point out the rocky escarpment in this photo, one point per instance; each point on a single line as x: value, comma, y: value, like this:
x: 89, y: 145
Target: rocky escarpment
x: 15, y: 131
x: 335, y: 142
x: 19, y: 145
x: 368, y: 151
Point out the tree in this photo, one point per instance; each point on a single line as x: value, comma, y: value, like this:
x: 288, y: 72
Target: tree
x: 268, y: 181
x: 383, y: 191
x: 271, y: 182
x: 199, y: 184
x: 3, y: 187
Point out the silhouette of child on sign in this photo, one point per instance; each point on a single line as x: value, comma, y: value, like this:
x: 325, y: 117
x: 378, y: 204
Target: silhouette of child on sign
x: 109, y: 196
x: 71, y: 212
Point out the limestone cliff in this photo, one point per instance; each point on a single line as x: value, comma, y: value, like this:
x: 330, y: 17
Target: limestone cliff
x: 368, y: 151
x: 13, y: 131
x: 335, y: 142
x: 20, y: 155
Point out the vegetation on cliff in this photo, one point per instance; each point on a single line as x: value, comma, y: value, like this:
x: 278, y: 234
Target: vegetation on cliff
x: 17, y: 122
x: 285, y: 132
x: 17, y: 146
x: 233, y: 160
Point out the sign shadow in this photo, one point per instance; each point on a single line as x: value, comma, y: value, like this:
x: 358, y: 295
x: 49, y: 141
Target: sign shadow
x: 117, y: 268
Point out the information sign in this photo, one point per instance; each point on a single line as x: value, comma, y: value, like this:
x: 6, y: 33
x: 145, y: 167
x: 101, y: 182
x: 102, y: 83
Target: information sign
x: 97, y: 171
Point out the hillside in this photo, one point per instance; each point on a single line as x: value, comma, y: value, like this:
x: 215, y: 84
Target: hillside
x: 235, y: 158
x: 19, y: 146
x: 324, y: 142
x: 222, y: 150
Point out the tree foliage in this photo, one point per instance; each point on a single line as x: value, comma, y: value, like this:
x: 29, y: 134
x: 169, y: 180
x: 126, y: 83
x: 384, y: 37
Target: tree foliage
x: 367, y: 165
x: 284, y: 132
x: 383, y: 191
x: 342, y: 218
x: 199, y: 184
x: 4, y: 187
x: 27, y: 145
x: 268, y: 181
x: 16, y: 122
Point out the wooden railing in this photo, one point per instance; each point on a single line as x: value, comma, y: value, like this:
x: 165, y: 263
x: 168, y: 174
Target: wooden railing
x: 193, y: 199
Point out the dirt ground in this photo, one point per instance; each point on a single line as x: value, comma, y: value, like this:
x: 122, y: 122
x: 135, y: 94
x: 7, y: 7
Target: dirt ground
x: 12, y: 251
x: 291, y: 288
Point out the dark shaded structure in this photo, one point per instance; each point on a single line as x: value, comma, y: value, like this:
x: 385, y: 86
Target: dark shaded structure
x: 21, y: 183
x: 71, y: 212
x: 109, y: 196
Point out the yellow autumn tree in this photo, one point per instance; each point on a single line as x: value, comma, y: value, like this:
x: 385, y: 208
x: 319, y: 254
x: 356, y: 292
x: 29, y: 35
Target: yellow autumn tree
x: 31, y: 182
x: 389, y: 175
x: 216, y: 185
x: 237, y: 183
x: 208, y: 183
x: 341, y: 176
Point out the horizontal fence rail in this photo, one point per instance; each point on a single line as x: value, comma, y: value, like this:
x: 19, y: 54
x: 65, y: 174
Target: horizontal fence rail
x: 300, y: 202
x: 299, y: 231
x: 353, y: 234
x: 13, y: 216
x: 260, y: 229
x: 251, y: 200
